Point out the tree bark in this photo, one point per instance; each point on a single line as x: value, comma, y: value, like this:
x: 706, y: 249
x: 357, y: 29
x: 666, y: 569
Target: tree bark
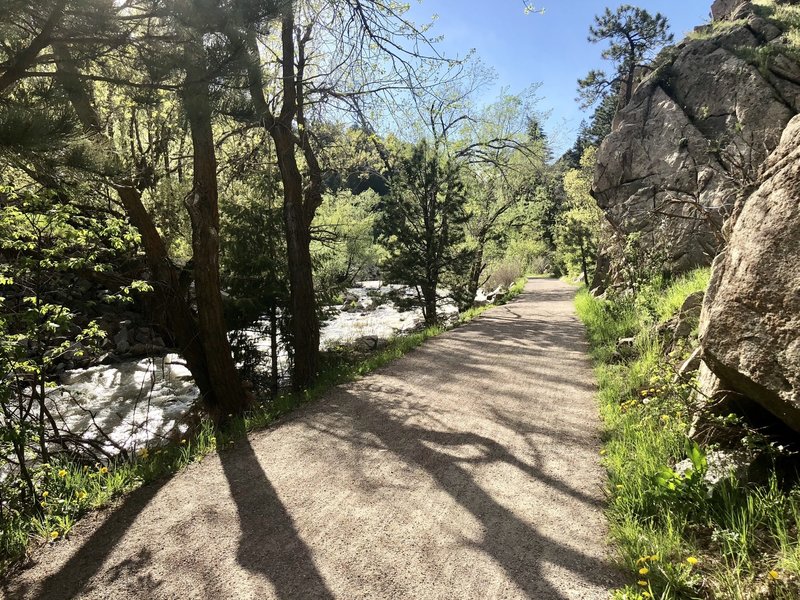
x: 299, y: 201
x: 584, y: 264
x: 27, y: 56
x: 476, y: 271
x: 273, y: 347
x: 304, y: 322
x: 430, y: 305
x: 229, y: 396
x: 173, y: 313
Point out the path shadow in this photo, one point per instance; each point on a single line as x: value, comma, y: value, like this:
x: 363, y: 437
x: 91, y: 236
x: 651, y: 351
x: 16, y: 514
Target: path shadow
x: 75, y: 576
x: 269, y: 544
x: 515, y: 545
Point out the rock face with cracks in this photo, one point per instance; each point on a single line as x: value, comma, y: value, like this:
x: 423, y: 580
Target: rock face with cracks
x: 689, y: 145
x: 750, y: 326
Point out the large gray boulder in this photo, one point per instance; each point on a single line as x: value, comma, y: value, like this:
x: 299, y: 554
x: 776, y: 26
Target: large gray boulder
x: 750, y: 324
x: 688, y: 147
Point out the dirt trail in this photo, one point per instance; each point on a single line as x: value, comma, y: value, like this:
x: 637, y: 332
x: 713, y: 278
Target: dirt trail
x: 467, y: 469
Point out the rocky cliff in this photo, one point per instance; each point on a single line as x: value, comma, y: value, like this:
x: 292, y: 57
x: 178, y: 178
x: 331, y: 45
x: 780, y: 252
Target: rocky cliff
x: 750, y: 325
x: 688, y: 147
x: 704, y: 162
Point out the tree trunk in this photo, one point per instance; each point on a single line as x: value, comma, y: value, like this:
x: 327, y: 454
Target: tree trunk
x: 273, y: 346
x: 303, y: 319
x: 172, y: 310
x: 476, y: 271
x: 229, y: 396
x: 430, y: 306
x: 584, y: 264
x: 299, y: 201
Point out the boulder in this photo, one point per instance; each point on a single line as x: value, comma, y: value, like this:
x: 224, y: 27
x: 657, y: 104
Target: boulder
x: 143, y: 335
x: 722, y: 9
x: 683, y: 323
x: 686, y: 150
x: 689, y: 366
x: 496, y: 294
x: 121, y: 340
x: 369, y: 343
x: 750, y: 325
x: 349, y: 303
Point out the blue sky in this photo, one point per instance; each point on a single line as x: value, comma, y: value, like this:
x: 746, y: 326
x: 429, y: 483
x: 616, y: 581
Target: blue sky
x: 550, y: 49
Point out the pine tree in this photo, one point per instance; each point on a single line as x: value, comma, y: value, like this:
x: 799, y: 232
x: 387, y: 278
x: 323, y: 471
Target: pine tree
x: 422, y: 225
x: 634, y: 35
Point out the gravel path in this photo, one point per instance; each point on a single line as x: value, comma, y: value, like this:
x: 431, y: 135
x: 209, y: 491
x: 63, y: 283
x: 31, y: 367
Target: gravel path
x: 467, y: 469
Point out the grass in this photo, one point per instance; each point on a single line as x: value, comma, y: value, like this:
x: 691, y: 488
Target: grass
x: 716, y: 28
x: 70, y: 489
x: 674, y: 537
x: 668, y: 304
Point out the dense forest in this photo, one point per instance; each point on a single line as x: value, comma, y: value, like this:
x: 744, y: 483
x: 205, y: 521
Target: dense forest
x: 214, y: 204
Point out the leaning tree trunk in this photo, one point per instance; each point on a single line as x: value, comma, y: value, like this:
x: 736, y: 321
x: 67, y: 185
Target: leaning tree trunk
x: 229, y: 396
x: 172, y: 310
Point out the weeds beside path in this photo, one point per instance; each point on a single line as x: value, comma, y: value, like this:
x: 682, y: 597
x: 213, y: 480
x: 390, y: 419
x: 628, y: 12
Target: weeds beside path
x: 468, y: 468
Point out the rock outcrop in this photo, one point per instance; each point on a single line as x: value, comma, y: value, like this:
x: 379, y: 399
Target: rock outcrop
x: 750, y: 325
x: 688, y: 147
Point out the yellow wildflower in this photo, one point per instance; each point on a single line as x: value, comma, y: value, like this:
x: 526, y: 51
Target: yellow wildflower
x: 774, y: 574
x: 602, y: 452
x: 183, y: 441
x: 103, y: 470
x: 45, y: 494
x: 645, y: 594
x: 654, y: 557
x: 642, y: 582
x: 53, y: 535
x: 691, y: 560
x: 62, y: 473
x: 144, y: 453
x: 644, y: 571
x: 82, y: 495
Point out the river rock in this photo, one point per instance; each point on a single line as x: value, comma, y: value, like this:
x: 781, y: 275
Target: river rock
x: 121, y: 340
x: 750, y: 326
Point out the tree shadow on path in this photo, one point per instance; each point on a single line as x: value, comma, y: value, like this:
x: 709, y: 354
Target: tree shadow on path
x: 514, y: 544
x: 269, y: 544
x: 87, y: 561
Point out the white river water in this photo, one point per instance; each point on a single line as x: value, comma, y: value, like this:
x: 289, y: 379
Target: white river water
x: 138, y: 403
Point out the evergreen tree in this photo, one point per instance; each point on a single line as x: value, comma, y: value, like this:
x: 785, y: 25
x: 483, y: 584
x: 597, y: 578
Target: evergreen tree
x: 421, y: 225
x: 634, y: 36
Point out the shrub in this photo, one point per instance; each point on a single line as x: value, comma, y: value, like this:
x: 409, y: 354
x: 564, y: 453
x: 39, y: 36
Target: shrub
x: 504, y: 274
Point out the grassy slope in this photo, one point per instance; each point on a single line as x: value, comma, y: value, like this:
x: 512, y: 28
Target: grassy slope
x: 674, y: 539
x: 71, y: 489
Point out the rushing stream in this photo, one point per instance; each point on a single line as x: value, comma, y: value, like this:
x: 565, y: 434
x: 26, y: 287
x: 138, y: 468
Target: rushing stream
x: 136, y: 403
